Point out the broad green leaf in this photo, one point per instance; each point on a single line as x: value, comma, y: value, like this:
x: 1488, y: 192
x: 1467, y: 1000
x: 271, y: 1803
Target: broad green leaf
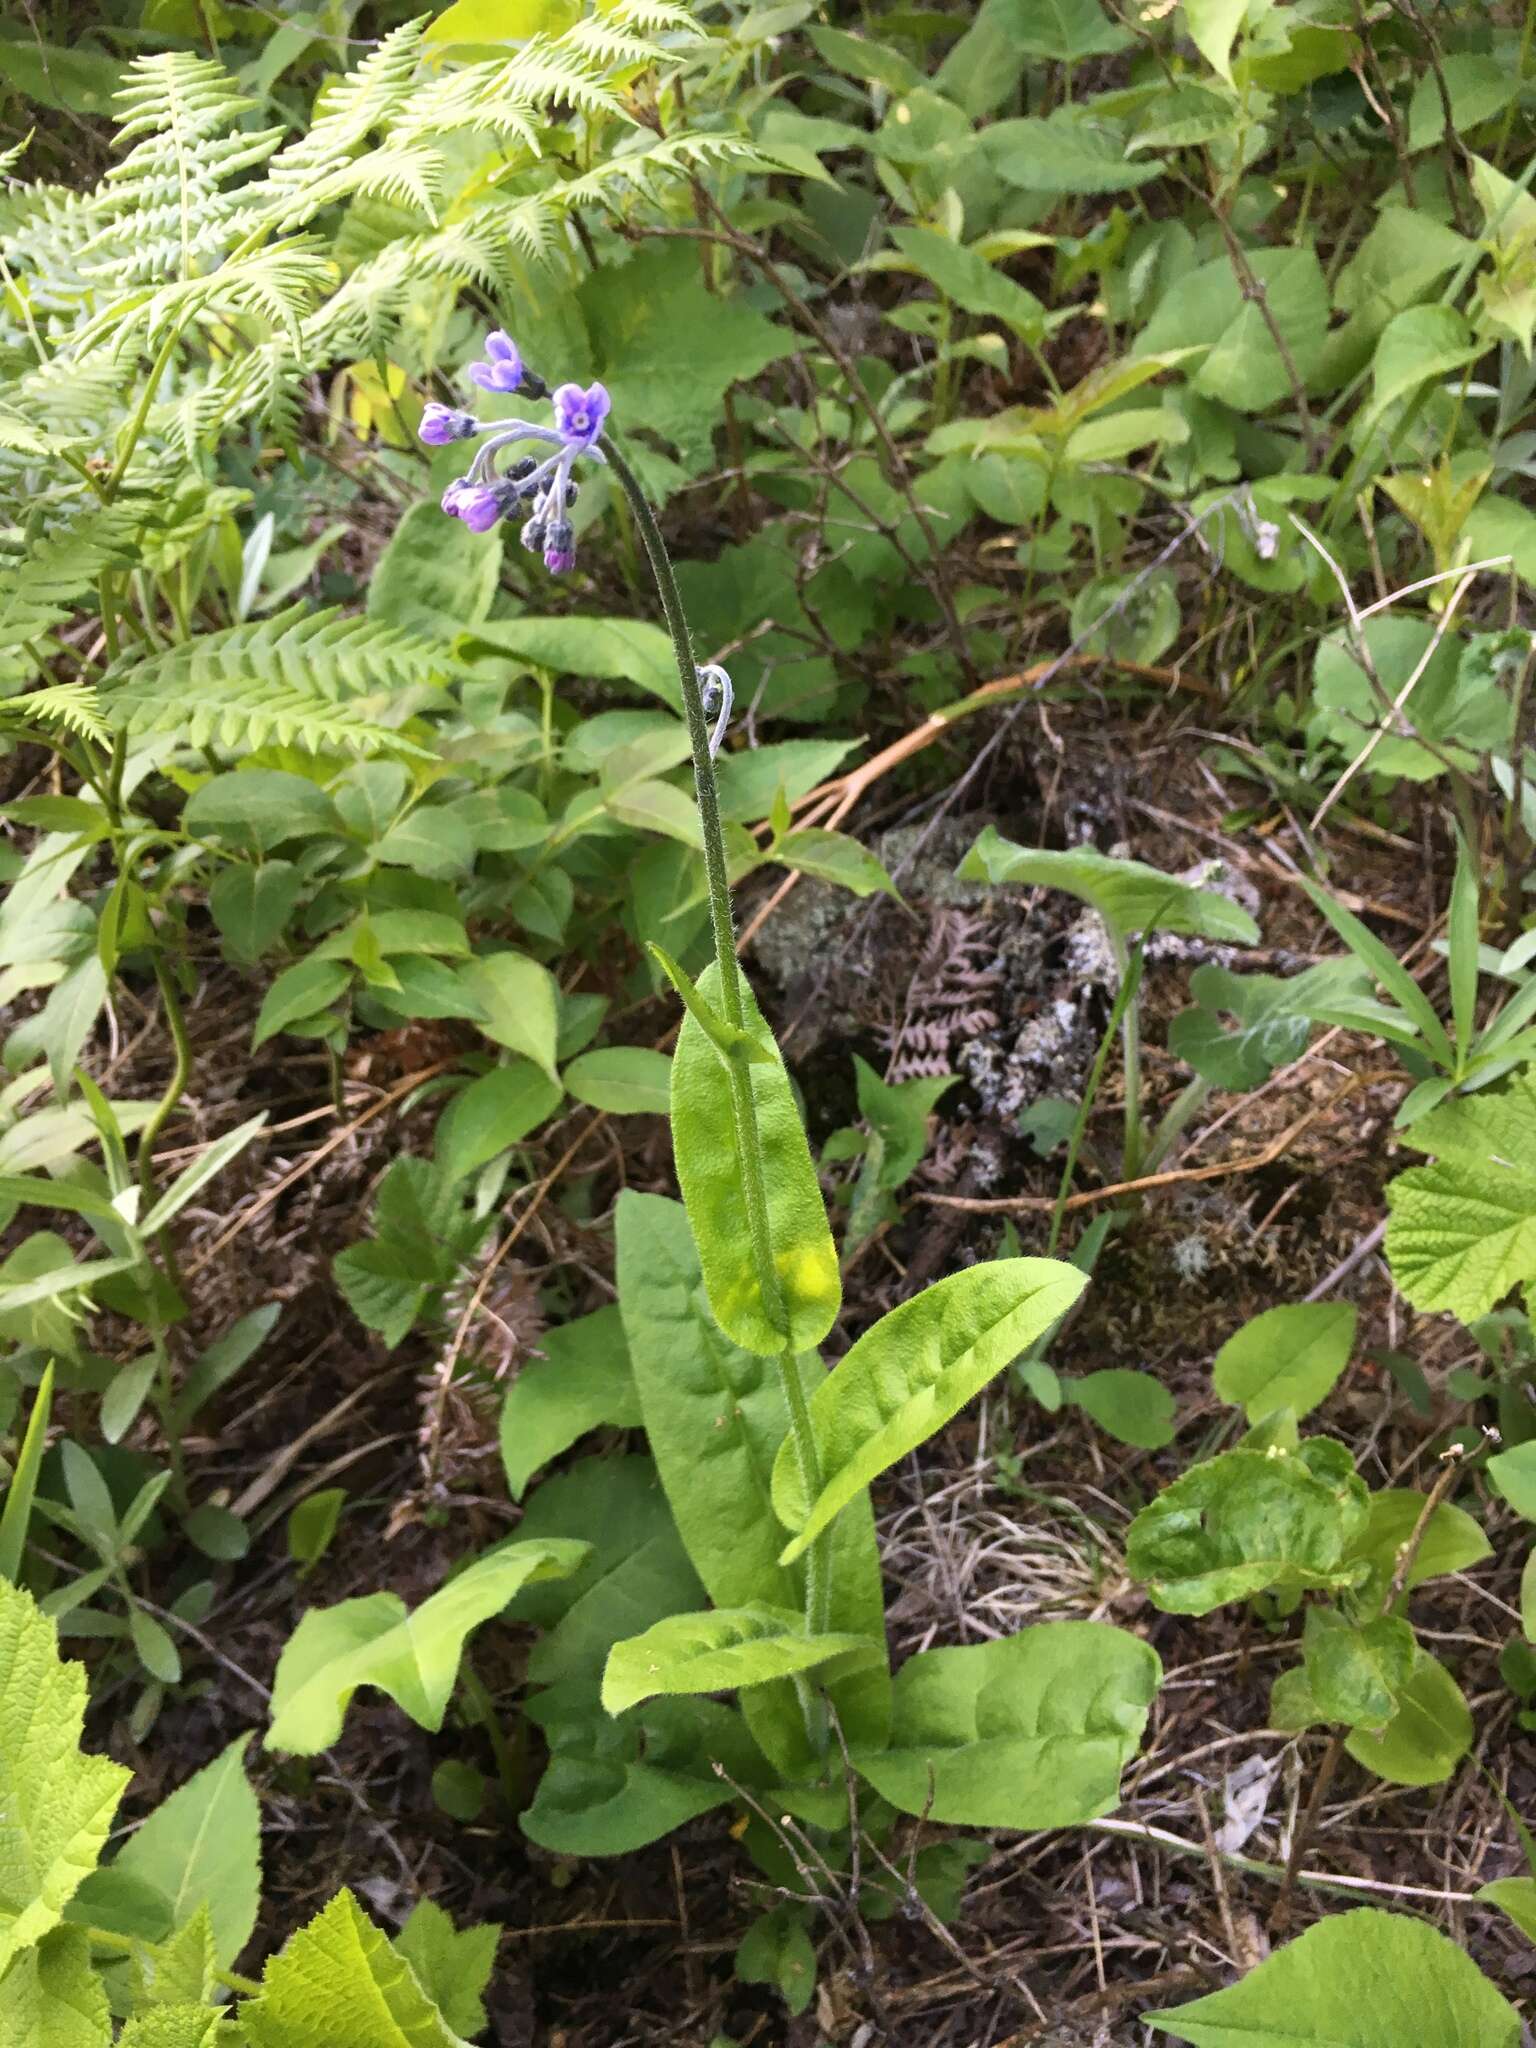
x: 496, y: 1110
x: 1428, y: 1735
x: 897, y: 1113
x: 257, y: 809
x: 833, y: 857
x: 966, y: 277
x: 1357, y: 1675
x: 1070, y: 151
x: 1462, y: 710
x: 1213, y: 27
x: 709, y: 1170
x: 297, y: 994
x: 1452, y: 1541
x: 777, y: 1950
x: 611, y: 1787
x: 1134, y: 1407
x: 624, y: 1080
x: 597, y: 650
x: 251, y: 905
x: 413, y: 1655
x: 312, y: 1526
x: 1478, y: 87
x: 432, y: 840
x: 580, y: 1381
x: 69, y: 1016
x: 905, y: 1377
x: 1208, y: 308
x: 202, y: 1848
x: 637, y: 1572
x: 1129, y: 618
x: 1462, y: 1233
x: 56, y: 1803
x: 1288, y: 1357
x: 749, y: 781
x: 720, y: 1650
x: 1031, y: 1731
x: 668, y: 348
x: 339, y: 1984
x: 1363, y: 1979
x: 1245, y: 1521
x: 50, y: 1997
x: 1128, y: 895
x: 1271, y: 1021
x: 519, y: 1004
x: 1515, y: 1896
x: 419, y: 584
x: 1514, y: 1478
x: 697, y: 1388
x: 1422, y: 343
x: 452, y: 1965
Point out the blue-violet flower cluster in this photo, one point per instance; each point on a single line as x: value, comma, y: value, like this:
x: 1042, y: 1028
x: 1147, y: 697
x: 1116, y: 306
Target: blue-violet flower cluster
x: 538, y: 492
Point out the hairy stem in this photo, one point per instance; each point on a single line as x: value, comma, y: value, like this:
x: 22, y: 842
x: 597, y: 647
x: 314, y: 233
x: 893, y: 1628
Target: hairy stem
x: 180, y: 1073
x: 749, y: 1151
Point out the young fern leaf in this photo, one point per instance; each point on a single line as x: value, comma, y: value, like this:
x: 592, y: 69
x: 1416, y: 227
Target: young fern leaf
x: 165, y: 210
x: 300, y: 678
x: 323, y: 164
x: 73, y: 706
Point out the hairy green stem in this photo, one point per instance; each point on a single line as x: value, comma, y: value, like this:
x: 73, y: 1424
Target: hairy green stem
x: 133, y: 1945
x: 181, y: 1071
x: 1130, y: 1032
x: 749, y: 1151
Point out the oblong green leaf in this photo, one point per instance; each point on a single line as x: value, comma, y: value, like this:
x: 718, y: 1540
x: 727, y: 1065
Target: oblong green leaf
x: 1428, y: 1735
x: 411, y: 1655
x: 722, y: 1649
x: 1246, y: 1521
x: 908, y: 1375
x: 1127, y: 894
x: 1031, y: 1731
x: 1287, y: 1357
x: 709, y: 1169
x: 698, y: 1388
x: 1364, y: 1979
x: 201, y: 1848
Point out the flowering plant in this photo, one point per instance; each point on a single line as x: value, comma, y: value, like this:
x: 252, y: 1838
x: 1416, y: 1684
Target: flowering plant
x: 540, y: 491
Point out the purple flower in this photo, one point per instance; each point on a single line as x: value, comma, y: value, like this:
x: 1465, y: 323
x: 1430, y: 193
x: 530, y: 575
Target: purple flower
x: 479, y: 506
x: 579, y: 414
x: 559, y: 546
x: 502, y: 369
x: 441, y: 424
x: 454, y: 496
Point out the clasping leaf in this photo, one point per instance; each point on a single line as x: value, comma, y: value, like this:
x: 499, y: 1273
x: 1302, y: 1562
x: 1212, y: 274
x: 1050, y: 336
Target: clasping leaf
x: 724, y: 1648
x: 907, y: 1376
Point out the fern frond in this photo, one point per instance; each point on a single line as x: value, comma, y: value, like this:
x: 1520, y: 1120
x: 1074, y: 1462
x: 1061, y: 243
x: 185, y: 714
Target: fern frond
x: 307, y: 679
x: 509, y: 99
x: 672, y: 156
x: 277, y: 285
x: 41, y: 583
x: 350, y: 111
x: 75, y: 707
x: 652, y: 17
x: 165, y: 208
